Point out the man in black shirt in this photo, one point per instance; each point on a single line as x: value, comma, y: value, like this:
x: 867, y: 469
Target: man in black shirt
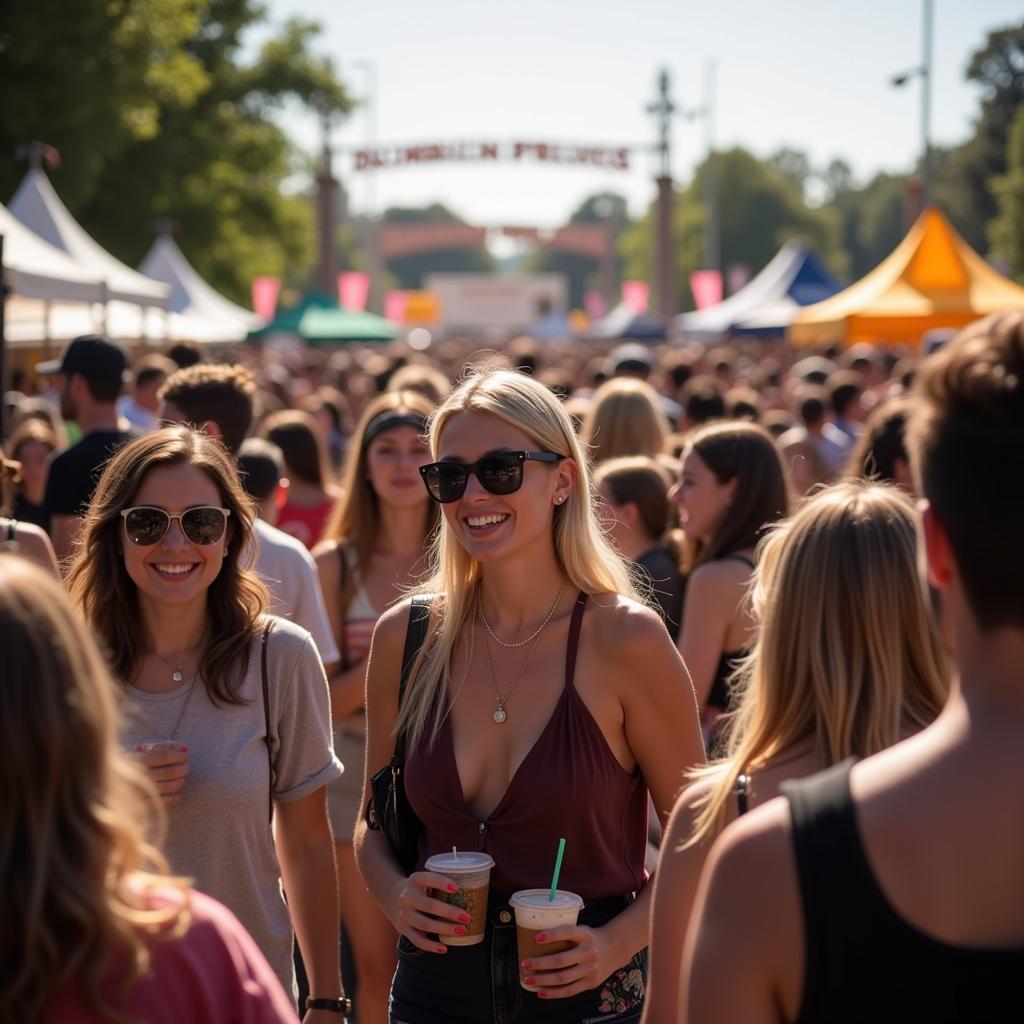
x: 89, y: 375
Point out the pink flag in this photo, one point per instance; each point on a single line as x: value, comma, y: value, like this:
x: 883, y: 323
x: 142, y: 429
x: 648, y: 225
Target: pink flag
x: 394, y: 306
x: 265, y: 291
x: 706, y: 286
x: 353, y: 288
x: 636, y: 294
x: 593, y: 303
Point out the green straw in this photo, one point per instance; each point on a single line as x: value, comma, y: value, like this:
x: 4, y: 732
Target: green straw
x: 558, y: 869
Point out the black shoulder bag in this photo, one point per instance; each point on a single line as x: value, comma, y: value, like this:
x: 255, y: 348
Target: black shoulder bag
x: 388, y: 810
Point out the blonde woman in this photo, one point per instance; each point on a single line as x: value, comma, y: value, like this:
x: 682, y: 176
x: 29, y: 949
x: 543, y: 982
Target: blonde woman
x: 846, y: 663
x: 94, y: 929
x: 372, y: 553
x: 545, y: 703
x: 625, y: 419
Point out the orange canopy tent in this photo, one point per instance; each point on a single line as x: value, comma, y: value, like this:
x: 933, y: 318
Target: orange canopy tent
x: 933, y: 278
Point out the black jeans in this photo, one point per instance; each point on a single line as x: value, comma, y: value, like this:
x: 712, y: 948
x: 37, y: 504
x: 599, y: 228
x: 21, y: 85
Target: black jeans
x: 480, y: 984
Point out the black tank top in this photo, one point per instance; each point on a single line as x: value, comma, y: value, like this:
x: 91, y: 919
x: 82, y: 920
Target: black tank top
x: 863, y: 961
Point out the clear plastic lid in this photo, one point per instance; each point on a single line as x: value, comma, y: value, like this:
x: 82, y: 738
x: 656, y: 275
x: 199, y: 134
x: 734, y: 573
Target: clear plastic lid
x: 539, y: 898
x: 469, y: 862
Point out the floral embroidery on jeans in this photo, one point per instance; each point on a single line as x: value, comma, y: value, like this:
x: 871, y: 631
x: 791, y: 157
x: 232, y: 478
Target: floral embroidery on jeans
x: 624, y: 990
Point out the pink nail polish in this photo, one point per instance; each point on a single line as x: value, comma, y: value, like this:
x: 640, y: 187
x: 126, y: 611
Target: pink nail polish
x: 442, y: 949
x: 460, y: 930
x: 541, y: 938
x: 527, y: 965
x: 452, y: 887
x: 465, y: 918
x: 529, y: 981
x: 543, y: 995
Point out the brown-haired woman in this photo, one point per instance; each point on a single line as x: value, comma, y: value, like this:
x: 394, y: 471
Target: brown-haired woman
x: 372, y: 552
x: 732, y: 485
x: 636, y: 490
x: 881, y: 451
x: 310, y: 492
x: 94, y: 928
x: 158, y: 577
x: 30, y: 445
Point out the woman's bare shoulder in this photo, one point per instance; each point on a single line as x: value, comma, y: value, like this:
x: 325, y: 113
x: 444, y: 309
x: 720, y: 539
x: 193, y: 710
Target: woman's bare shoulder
x: 616, y: 619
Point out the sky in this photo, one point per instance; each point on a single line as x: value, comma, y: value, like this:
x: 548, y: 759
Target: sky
x: 813, y: 76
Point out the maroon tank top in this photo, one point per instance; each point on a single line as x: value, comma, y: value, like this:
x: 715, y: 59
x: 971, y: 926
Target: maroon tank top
x: 569, y: 784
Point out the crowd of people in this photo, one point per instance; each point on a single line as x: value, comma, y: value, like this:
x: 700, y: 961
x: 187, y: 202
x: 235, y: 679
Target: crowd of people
x: 753, y: 614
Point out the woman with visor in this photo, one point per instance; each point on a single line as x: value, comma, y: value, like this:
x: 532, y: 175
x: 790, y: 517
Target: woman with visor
x: 371, y: 554
x: 545, y: 702
x: 227, y: 707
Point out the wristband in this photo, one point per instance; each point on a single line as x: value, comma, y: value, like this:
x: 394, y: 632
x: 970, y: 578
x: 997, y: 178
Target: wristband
x: 342, y: 1006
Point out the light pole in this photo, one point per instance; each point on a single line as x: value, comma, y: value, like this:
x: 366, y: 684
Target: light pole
x: 712, y: 256
x: 375, y: 299
x: 924, y: 72
x: 664, y: 247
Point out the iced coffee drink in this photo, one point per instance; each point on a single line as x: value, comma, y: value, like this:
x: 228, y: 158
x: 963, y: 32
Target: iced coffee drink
x: 535, y: 913
x: 471, y: 872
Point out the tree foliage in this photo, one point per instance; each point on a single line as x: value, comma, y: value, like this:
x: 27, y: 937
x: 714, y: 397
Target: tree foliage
x: 760, y: 208
x: 169, y: 122
x: 1007, y: 230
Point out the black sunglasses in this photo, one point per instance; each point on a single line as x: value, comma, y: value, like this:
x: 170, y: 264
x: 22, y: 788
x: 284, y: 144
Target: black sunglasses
x: 202, y: 525
x: 500, y: 473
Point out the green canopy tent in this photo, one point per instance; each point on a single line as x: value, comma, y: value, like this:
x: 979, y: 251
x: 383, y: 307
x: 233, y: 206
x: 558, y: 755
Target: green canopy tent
x: 319, y: 319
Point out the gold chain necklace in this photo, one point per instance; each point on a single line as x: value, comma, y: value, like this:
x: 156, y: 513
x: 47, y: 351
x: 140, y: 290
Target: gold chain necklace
x: 500, y: 714
x: 533, y: 636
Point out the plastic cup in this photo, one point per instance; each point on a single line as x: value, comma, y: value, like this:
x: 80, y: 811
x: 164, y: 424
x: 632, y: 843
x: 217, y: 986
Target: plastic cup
x: 471, y: 872
x: 535, y: 913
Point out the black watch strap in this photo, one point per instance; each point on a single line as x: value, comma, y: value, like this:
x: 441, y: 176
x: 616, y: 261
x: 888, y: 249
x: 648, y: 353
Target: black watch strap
x: 342, y: 1006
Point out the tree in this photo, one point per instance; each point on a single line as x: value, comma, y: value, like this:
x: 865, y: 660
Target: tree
x: 760, y: 208
x: 210, y: 157
x: 794, y: 164
x: 1007, y: 230
x: 409, y: 271
x: 998, y: 67
x: 872, y: 220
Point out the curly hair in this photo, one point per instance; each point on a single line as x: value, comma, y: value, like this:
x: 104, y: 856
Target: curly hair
x: 76, y: 865
x: 100, y: 584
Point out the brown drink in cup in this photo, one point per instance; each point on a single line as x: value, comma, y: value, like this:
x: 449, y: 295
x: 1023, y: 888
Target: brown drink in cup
x: 535, y: 913
x: 471, y: 872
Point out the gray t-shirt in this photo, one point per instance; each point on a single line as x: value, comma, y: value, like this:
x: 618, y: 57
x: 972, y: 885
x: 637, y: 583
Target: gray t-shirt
x: 220, y: 835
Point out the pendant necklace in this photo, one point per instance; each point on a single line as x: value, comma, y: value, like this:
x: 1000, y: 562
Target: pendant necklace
x: 177, y: 671
x: 500, y: 715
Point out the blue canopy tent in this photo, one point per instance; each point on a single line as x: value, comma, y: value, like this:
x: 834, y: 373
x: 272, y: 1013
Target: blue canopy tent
x: 767, y: 304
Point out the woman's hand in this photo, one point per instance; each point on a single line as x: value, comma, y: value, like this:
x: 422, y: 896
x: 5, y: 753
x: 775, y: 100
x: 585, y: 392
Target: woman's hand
x: 168, y: 767
x: 583, y: 967
x: 420, y: 915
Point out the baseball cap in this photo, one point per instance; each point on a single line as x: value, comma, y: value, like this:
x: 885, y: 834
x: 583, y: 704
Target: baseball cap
x: 93, y: 357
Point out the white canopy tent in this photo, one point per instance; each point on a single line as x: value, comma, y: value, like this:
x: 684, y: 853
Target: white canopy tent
x: 40, y: 209
x: 34, y: 269
x: 209, y: 315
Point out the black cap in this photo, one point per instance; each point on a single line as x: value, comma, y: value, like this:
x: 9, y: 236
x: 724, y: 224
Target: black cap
x: 93, y: 357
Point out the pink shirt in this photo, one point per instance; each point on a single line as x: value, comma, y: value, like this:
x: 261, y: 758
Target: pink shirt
x: 213, y: 974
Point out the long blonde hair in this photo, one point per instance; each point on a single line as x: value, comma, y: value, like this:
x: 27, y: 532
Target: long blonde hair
x: 846, y: 653
x: 585, y: 555
x: 73, y: 856
x: 625, y: 419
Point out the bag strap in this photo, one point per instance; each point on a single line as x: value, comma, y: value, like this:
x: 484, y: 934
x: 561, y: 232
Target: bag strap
x: 415, y: 635
x: 266, y: 711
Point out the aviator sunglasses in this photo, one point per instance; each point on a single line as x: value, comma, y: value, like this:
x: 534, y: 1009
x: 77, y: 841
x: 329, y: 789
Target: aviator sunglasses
x: 500, y: 473
x: 202, y: 525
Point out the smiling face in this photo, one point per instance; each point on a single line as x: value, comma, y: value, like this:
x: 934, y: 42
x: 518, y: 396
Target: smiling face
x: 703, y: 502
x: 491, y: 526
x: 175, y: 571
x: 393, y: 459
